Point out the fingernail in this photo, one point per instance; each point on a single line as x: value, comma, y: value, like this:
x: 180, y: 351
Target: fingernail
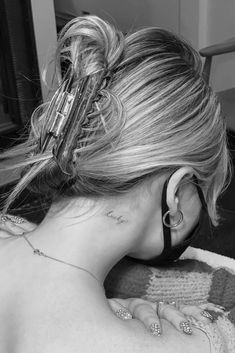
x: 20, y: 232
x: 220, y: 307
x: 123, y: 314
x: 206, y: 314
x: 155, y: 329
x: 185, y: 327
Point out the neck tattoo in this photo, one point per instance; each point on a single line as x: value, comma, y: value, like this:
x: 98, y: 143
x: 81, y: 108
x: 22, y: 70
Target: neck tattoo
x: 118, y: 219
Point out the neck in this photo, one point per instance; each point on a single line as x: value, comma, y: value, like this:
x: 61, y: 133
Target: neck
x: 84, y: 234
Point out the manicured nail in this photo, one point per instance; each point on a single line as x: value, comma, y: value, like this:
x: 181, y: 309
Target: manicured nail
x: 185, y: 327
x: 220, y: 307
x: 155, y: 329
x: 206, y: 314
x: 123, y: 314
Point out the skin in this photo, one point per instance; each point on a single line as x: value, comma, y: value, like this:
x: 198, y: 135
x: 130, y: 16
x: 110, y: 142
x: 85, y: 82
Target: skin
x: 93, y: 234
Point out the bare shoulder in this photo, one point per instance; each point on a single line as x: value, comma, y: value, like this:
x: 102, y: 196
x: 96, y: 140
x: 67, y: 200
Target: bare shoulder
x: 130, y: 337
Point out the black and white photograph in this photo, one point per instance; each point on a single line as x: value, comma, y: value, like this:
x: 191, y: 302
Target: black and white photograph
x: 117, y: 185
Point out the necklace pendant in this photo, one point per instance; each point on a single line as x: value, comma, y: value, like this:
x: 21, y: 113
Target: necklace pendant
x: 37, y: 252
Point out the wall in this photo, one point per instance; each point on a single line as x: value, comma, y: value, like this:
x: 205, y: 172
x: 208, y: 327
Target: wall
x: 201, y: 22
x: 189, y: 21
x: 45, y: 36
x: 221, y: 26
x: 129, y: 13
x: 207, y: 22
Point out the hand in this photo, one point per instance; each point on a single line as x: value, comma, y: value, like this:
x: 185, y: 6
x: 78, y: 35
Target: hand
x: 12, y: 227
x: 150, y: 314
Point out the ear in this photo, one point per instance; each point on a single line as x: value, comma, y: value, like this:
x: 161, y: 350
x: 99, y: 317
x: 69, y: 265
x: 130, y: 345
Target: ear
x: 173, y: 187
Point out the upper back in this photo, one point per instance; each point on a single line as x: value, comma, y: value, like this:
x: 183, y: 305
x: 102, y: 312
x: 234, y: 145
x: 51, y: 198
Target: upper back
x: 61, y: 318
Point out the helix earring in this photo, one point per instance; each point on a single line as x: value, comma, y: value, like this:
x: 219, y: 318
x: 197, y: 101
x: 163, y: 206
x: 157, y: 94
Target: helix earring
x: 180, y: 220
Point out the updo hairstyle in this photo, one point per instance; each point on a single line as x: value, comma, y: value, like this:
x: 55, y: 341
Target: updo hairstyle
x: 154, y: 114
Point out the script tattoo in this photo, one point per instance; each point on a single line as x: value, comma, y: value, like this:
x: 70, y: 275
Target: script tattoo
x: 118, y: 219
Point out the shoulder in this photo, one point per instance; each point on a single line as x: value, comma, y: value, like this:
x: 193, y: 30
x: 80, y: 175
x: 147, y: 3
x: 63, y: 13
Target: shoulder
x: 131, y: 337
x: 171, y: 341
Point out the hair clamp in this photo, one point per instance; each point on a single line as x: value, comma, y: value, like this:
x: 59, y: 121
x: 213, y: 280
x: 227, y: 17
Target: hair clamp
x: 66, y: 116
x: 57, y: 112
x: 70, y: 128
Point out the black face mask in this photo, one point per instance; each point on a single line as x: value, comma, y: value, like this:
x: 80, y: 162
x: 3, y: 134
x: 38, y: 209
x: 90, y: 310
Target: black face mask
x: 169, y: 253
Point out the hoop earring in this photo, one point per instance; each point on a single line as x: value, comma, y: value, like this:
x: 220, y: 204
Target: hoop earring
x: 180, y: 220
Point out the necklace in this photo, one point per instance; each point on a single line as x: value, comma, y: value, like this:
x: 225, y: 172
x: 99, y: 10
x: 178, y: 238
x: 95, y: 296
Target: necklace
x: 41, y: 253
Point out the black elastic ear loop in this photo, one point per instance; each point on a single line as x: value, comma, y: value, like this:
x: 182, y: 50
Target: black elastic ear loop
x: 165, y: 208
x: 200, y: 193
x: 167, y: 245
x: 204, y: 205
x: 166, y: 230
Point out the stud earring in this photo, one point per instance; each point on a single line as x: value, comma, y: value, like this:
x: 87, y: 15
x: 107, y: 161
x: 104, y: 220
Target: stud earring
x: 180, y: 220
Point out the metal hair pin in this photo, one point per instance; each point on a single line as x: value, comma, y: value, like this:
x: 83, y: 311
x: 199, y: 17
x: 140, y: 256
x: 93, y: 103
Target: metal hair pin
x: 55, y: 116
x: 77, y: 117
x: 66, y: 116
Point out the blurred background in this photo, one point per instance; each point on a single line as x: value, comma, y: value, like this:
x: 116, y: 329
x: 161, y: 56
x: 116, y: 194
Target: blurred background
x: 28, y: 32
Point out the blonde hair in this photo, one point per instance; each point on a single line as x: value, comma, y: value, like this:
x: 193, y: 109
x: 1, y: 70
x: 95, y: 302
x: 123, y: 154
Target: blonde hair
x: 155, y: 115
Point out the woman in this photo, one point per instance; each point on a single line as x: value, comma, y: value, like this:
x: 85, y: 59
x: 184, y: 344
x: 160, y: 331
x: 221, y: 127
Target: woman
x: 132, y: 148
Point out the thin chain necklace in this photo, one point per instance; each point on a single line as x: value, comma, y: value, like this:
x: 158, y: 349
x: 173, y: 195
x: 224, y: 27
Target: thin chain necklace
x: 40, y: 253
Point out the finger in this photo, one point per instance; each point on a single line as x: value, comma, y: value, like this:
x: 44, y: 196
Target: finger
x: 4, y: 231
x: 197, y: 312
x: 213, y: 307
x: 12, y: 229
x: 146, y: 313
x: 175, y: 317
x: 27, y: 226
x: 127, y: 301
x: 120, y: 310
x: 16, y: 225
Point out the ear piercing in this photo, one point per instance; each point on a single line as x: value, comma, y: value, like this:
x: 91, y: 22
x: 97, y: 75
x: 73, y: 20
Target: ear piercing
x: 181, y: 217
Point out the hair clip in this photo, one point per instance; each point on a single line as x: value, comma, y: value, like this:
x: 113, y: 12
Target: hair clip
x: 67, y: 115
x: 55, y: 116
x: 72, y: 126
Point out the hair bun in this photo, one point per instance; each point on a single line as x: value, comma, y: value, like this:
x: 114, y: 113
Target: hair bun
x: 89, y: 44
